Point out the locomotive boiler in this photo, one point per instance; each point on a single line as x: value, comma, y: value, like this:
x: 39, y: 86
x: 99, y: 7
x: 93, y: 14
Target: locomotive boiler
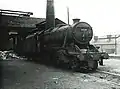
x: 80, y: 32
x: 66, y: 45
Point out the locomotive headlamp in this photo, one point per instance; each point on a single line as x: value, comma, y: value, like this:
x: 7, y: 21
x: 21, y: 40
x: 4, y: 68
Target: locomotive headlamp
x: 83, y: 50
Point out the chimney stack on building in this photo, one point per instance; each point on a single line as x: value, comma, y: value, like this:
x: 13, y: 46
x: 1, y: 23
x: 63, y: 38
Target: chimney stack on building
x: 109, y: 37
x: 50, y: 15
x: 95, y: 38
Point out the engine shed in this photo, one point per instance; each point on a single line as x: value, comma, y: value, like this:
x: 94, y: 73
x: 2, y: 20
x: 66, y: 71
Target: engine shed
x: 15, y: 24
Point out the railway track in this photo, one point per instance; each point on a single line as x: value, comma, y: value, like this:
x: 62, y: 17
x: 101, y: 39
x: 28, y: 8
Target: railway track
x: 109, y: 76
x: 110, y: 73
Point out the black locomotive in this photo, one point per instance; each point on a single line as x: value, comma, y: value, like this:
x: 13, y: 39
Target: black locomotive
x: 66, y: 45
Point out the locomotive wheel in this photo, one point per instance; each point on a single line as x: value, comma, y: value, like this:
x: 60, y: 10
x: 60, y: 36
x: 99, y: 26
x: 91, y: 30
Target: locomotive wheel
x: 60, y: 59
x: 65, y: 61
x: 92, y: 65
x: 73, y: 64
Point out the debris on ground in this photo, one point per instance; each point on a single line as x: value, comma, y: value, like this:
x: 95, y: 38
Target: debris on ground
x: 10, y: 55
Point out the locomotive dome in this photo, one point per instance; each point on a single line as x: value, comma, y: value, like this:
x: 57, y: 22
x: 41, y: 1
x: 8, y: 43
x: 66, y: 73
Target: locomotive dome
x: 82, y: 32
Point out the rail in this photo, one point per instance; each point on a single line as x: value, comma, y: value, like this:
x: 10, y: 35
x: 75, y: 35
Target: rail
x: 114, y: 56
x: 110, y: 73
x: 112, y: 78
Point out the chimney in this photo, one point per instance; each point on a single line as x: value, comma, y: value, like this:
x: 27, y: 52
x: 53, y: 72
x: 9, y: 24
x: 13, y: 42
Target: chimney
x: 95, y: 38
x: 76, y: 20
x: 50, y: 16
x: 109, y: 37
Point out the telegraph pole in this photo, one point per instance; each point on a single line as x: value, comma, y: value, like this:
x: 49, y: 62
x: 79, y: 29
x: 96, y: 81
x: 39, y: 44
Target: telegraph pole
x: 115, y: 45
x: 68, y: 14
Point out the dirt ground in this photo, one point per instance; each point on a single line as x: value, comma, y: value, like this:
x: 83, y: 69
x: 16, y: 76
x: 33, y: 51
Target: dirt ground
x: 20, y: 74
x: 111, y: 65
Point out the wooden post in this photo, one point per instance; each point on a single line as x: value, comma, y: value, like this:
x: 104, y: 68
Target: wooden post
x: 115, y: 45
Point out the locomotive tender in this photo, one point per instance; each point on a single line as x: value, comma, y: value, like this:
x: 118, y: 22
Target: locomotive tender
x: 66, y: 45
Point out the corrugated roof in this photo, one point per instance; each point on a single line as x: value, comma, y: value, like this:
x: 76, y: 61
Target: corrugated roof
x: 16, y: 21
x: 25, y: 22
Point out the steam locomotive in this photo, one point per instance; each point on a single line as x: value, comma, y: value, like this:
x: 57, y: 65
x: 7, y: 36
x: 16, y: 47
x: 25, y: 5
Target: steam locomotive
x: 66, y: 45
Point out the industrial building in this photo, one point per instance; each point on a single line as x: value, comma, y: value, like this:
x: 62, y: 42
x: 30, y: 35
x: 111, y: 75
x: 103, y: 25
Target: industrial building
x: 13, y: 23
x: 108, y: 43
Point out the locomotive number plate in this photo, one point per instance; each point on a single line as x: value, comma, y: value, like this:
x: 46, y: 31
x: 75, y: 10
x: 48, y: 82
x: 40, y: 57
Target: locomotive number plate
x: 83, y: 29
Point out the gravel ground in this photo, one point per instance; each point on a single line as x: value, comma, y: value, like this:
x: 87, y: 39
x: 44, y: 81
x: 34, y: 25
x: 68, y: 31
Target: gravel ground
x: 21, y: 74
x: 111, y: 65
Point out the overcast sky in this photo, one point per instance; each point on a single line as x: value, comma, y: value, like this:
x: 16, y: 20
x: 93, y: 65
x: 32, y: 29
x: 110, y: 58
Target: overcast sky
x: 102, y: 15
